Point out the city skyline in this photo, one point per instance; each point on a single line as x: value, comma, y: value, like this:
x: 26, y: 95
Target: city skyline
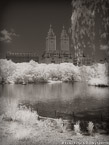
x: 26, y: 25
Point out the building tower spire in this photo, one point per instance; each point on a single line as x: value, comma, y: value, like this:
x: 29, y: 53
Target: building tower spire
x: 51, y: 40
x: 64, y: 40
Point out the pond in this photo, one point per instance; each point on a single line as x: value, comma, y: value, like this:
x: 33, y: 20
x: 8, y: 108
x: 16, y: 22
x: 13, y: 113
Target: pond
x: 60, y: 99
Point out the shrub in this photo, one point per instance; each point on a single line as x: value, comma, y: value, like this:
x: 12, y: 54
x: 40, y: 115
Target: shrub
x: 13, y: 113
x: 26, y: 116
x: 60, y: 124
x: 90, y: 128
x: 77, y: 128
x: 9, y: 107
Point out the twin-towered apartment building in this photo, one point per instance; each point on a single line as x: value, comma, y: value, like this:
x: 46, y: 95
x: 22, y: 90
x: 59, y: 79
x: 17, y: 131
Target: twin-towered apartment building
x: 52, y: 54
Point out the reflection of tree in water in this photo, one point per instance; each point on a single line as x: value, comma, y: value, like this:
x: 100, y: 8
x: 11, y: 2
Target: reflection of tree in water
x: 61, y: 97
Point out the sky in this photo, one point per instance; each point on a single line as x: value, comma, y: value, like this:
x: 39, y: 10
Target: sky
x: 24, y: 24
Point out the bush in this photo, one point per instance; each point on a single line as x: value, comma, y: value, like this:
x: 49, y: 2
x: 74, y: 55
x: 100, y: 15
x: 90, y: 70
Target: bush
x: 90, y: 128
x: 13, y: 113
x: 26, y: 116
x: 33, y: 72
x: 9, y: 107
x: 77, y: 128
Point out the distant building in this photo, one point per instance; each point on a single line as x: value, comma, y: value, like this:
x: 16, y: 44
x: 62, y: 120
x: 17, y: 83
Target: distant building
x: 105, y: 60
x: 51, y: 40
x: 21, y: 57
x: 81, y: 59
x: 51, y: 54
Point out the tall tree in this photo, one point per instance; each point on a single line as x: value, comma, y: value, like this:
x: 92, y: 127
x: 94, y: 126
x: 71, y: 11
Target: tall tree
x: 90, y: 24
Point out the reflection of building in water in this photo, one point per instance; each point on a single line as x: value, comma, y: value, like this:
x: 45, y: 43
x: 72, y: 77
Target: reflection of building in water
x: 52, y: 55
x: 21, y: 57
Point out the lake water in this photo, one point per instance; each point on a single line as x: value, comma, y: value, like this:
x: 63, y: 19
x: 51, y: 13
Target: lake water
x: 60, y: 99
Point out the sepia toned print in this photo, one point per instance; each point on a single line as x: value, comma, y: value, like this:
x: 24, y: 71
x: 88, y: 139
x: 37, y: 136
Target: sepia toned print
x: 54, y: 72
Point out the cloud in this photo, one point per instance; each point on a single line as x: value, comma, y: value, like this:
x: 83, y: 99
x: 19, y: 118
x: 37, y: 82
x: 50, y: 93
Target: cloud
x: 7, y: 36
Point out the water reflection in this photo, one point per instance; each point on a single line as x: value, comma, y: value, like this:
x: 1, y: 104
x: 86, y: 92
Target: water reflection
x: 63, y: 97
